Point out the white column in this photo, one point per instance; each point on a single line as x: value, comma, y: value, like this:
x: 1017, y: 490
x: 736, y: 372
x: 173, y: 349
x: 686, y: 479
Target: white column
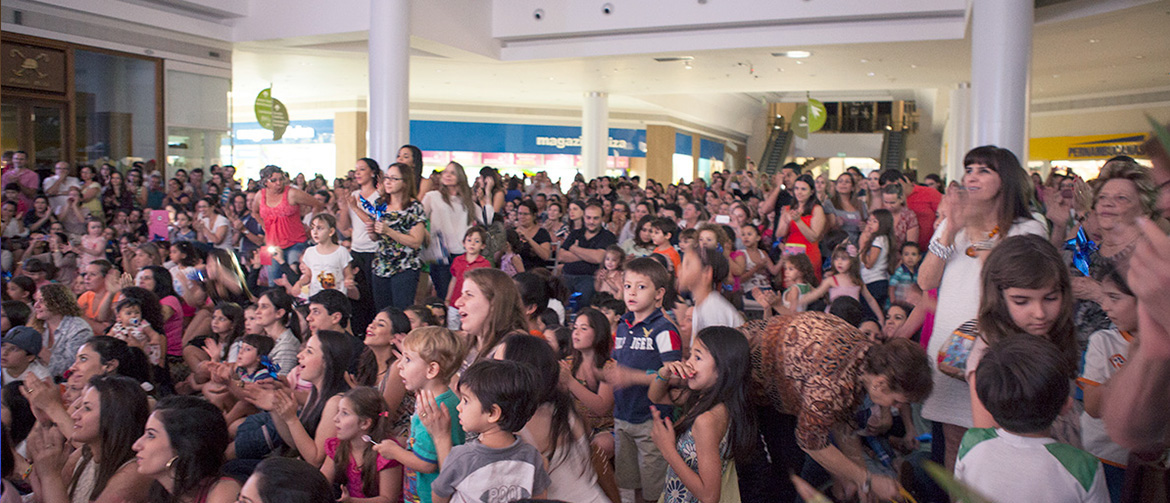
x: 389, y: 103
x: 1001, y: 60
x: 594, y: 134
x: 958, y: 132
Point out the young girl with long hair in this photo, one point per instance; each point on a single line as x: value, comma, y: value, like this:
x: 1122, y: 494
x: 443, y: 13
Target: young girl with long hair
x: 1026, y: 289
x: 876, y: 255
x: 555, y: 429
x: 350, y: 462
x: 716, y: 426
x: 584, y: 377
x: 799, y: 276
x: 844, y: 280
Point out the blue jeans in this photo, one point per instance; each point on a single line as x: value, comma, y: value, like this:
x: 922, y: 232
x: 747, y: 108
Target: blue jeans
x: 396, y: 290
x: 291, y: 255
x: 580, y: 283
x: 441, y: 276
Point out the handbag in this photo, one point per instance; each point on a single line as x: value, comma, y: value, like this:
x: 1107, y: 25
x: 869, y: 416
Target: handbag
x: 955, y: 351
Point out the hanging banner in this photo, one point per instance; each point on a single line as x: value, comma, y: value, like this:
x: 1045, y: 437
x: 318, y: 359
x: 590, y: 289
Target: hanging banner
x: 817, y: 115
x: 271, y: 113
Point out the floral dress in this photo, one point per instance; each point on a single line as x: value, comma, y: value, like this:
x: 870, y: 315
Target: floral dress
x: 394, y: 257
x: 675, y: 491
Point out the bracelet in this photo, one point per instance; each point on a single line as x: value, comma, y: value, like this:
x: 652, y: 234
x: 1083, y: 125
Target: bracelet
x: 658, y: 377
x: 943, y: 252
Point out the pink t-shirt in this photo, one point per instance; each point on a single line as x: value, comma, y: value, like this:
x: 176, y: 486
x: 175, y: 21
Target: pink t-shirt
x: 173, y: 326
x: 25, y: 177
x: 353, y: 474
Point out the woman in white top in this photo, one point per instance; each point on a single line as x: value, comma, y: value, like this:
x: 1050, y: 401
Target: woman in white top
x: 449, y: 210
x: 357, y: 212
x: 992, y: 203
x: 211, y: 226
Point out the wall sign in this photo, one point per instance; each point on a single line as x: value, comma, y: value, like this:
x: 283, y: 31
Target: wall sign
x: 36, y: 68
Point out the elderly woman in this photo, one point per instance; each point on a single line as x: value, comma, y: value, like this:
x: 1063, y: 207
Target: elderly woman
x: 816, y: 367
x: 1122, y: 192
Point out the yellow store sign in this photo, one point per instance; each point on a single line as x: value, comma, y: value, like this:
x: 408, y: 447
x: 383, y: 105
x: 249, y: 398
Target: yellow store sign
x: 1102, y: 146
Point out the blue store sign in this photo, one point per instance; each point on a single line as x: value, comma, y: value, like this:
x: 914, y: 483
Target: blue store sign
x: 518, y: 138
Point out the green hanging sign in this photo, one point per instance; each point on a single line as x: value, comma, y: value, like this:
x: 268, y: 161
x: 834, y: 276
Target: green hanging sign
x: 810, y: 118
x: 816, y: 115
x: 271, y: 113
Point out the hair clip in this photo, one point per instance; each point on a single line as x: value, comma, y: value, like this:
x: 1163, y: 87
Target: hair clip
x: 384, y: 413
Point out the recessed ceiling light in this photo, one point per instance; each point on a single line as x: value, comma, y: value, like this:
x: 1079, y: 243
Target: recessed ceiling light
x: 800, y: 62
x: 870, y: 74
x: 793, y: 54
x: 863, y: 60
x: 913, y: 66
x: 1093, y: 40
x: 1139, y: 56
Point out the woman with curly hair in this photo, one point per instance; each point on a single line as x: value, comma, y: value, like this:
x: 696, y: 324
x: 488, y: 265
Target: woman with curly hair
x: 59, y: 317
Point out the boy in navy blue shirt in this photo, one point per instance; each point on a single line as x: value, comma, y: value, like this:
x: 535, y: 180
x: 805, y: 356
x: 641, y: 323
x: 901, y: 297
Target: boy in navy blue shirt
x: 645, y: 339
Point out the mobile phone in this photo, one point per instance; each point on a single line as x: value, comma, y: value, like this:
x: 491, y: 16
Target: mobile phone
x: 722, y: 219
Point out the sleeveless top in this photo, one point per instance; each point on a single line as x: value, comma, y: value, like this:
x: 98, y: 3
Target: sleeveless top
x: 87, y: 480
x: 843, y: 291
x: 282, y: 223
x: 570, y: 472
x: 758, y: 280
x: 675, y: 491
x: 506, y: 264
x: 801, y: 289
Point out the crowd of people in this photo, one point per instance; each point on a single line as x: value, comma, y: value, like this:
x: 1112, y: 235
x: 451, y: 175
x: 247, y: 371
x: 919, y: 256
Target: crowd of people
x: 492, y: 338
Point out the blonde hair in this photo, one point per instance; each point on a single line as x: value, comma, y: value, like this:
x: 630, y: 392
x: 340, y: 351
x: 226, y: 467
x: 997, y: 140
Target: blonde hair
x: 437, y: 345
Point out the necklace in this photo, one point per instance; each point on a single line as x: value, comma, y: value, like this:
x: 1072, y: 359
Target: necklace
x: 986, y: 244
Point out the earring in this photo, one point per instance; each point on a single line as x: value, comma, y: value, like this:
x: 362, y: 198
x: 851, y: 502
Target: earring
x: 172, y: 462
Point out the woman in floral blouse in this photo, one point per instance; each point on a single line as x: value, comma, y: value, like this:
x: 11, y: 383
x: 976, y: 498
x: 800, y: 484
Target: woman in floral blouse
x: 401, y: 230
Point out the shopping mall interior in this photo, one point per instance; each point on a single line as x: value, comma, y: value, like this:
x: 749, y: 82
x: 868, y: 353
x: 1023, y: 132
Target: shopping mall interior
x: 682, y: 87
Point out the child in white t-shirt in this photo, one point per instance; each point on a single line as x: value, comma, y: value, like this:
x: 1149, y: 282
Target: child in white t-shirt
x: 326, y: 265
x: 1107, y: 353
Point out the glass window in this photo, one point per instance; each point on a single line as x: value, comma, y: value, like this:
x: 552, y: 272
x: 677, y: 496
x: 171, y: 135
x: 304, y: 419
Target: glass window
x: 115, y: 108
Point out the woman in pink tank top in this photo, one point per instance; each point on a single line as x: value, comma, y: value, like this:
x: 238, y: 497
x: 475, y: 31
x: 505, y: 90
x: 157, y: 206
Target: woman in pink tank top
x: 278, y: 205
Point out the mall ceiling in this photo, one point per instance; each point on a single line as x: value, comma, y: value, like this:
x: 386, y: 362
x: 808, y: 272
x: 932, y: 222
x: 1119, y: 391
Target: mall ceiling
x: 1119, y: 52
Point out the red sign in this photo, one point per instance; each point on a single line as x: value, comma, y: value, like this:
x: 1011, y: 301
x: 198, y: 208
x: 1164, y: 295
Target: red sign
x: 467, y: 158
x: 530, y: 159
x: 436, y: 158
x: 499, y: 158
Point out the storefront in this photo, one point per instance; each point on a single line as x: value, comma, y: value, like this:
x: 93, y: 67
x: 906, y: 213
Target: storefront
x: 80, y: 104
x: 1083, y: 155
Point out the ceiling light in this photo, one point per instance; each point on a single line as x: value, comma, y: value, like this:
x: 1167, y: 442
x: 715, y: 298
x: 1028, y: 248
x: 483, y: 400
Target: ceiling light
x: 913, y: 66
x: 687, y: 65
x: 793, y: 54
x: 800, y: 62
x: 1093, y: 40
x: 863, y: 60
x: 870, y: 74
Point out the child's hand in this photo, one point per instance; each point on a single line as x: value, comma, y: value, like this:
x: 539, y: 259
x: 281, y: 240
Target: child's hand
x: 662, y: 431
x: 344, y: 494
x: 213, y: 349
x: 387, y: 448
x: 675, y: 369
x: 436, y: 418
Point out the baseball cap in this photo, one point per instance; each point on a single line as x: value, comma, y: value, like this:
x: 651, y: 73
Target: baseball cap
x: 26, y: 338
